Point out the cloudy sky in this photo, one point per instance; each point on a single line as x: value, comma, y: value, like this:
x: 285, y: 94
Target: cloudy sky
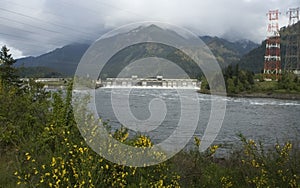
x: 33, y: 27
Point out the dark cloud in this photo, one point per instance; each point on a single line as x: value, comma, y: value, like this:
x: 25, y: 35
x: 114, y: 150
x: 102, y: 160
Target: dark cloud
x: 34, y: 27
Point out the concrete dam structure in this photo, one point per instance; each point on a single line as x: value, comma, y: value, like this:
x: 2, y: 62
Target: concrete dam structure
x: 155, y: 82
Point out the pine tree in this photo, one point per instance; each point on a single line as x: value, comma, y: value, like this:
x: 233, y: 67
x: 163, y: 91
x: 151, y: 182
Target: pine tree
x: 7, y: 71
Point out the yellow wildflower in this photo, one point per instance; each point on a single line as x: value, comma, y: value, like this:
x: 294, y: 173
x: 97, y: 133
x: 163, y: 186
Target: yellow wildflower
x: 197, y: 141
x: 53, y: 162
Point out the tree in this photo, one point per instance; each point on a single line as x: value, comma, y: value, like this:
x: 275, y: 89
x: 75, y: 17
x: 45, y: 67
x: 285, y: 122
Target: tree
x: 288, y: 81
x: 228, y: 72
x: 7, y: 71
x: 236, y: 73
x: 230, y: 85
x: 238, y: 80
x: 250, y: 77
x: 204, y: 84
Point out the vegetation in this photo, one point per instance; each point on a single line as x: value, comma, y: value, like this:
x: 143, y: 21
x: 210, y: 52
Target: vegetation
x: 7, y: 72
x: 251, y: 166
x: 245, y: 82
x: 289, y: 82
x: 41, y: 146
x: 236, y: 80
x: 228, y: 53
x: 38, y: 72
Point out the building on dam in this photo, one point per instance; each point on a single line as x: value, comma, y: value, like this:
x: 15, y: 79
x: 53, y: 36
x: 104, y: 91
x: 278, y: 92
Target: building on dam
x: 158, y: 81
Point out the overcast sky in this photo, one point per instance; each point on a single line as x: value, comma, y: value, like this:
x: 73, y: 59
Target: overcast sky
x: 33, y: 27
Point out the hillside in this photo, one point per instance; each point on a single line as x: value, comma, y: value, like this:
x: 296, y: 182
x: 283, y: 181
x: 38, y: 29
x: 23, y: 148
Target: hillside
x: 227, y: 52
x: 64, y: 60
x: 254, y: 60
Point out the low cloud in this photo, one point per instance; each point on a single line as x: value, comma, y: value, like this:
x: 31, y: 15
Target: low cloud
x: 34, y: 27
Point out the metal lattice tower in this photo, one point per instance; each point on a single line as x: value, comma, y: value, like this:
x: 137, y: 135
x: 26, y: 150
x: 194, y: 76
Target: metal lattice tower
x: 293, y: 15
x: 272, y: 67
x: 292, y: 55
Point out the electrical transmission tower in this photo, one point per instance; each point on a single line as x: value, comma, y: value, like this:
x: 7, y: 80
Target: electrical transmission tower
x: 293, y: 15
x: 272, y: 67
x: 292, y: 54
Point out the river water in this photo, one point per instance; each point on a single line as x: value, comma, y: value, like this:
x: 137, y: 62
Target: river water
x: 267, y: 120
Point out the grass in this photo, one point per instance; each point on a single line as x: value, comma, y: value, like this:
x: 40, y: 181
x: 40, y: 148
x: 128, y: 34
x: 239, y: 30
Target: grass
x: 265, y: 86
x: 7, y: 168
x: 251, y: 166
x: 271, y: 87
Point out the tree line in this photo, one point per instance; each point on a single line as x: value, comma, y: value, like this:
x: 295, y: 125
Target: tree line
x: 236, y: 80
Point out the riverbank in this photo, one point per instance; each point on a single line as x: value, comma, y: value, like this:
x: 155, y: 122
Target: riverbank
x: 274, y: 95
x: 285, y: 96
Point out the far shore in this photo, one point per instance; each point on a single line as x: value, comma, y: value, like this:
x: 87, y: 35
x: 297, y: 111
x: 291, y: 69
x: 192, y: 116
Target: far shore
x: 274, y: 95
x: 284, y: 96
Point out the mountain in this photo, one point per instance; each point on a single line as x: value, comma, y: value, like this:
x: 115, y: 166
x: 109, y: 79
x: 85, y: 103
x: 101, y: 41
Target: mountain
x: 227, y: 52
x: 155, y: 57
x: 240, y: 47
x: 254, y: 60
x: 65, y: 60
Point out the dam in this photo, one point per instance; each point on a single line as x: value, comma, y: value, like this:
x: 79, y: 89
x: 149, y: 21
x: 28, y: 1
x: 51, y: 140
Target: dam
x: 151, y: 82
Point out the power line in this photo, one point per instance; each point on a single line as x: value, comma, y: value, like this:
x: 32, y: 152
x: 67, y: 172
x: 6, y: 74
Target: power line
x: 37, y: 27
x: 19, y: 39
x: 49, y: 13
x: 27, y: 31
x: 86, y: 35
x: 47, y: 22
x: 40, y: 28
x: 11, y: 35
x: 23, y: 30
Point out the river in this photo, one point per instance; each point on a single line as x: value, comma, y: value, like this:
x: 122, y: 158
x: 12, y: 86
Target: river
x: 267, y: 120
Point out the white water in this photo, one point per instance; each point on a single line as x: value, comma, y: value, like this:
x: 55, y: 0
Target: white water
x: 150, y: 87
